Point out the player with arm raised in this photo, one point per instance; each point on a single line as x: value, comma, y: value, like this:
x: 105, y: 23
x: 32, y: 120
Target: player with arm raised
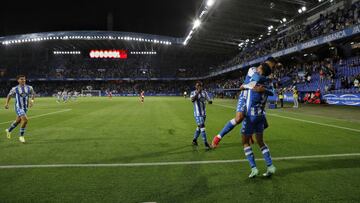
x: 24, y: 99
x: 253, y: 76
x: 199, y: 97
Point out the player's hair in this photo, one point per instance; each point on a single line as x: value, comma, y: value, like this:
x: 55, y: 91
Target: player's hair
x: 199, y: 82
x: 266, y: 69
x: 20, y: 76
x: 272, y: 60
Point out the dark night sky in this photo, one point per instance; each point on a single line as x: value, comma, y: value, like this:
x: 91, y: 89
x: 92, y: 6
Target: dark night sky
x: 163, y: 17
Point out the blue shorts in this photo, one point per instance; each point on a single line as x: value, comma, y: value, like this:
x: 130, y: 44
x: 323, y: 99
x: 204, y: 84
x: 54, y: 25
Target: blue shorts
x: 253, y: 124
x: 200, y: 120
x: 20, y: 112
x: 241, y: 106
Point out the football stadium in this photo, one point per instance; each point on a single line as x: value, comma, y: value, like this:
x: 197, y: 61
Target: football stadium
x: 180, y: 101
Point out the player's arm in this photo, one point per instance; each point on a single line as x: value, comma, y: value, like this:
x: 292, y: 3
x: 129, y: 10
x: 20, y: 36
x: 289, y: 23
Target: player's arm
x: 194, y: 95
x: 8, y: 98
x: 255, y: 77
x: 208, y: 99
x: 263, y: 89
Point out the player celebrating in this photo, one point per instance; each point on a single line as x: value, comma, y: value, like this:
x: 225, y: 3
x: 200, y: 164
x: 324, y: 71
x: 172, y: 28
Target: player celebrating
x: 253, y: 76
x: 254, y: 122
x: 199, y: 98
x: 22, y: 94
x: 142, y: 96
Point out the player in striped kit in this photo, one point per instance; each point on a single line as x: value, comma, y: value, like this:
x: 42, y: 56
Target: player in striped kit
x: 254, y: 76
x: 254, y: 123
x: 199, y: 97
x: 24, y: 99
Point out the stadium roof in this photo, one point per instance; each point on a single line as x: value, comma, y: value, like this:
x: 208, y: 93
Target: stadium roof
x: 231, y: 22
x: 220, y: 27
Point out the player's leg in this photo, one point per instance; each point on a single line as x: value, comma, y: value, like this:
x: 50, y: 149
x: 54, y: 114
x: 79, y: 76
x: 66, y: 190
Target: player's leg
x: 24, y: 122
x: 266, y: 154
x: 239, y: 117
x: 197, y: 132
x: 247, y: 132
x: 12, y: 127
x: 196, y: 136
x: 259, y: 129
x: 203, y: 132
x: 249, y: 155
x: 200, y: 120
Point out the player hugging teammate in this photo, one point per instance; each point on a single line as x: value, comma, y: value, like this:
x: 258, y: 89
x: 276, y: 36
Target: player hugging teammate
x: 250, y: 109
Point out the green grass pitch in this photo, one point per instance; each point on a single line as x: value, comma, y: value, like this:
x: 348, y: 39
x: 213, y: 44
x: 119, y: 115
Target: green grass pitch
x: 121, y: 130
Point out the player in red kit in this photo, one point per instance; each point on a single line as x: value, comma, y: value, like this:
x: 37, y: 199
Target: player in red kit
x: 142, y: 96
x: 109, y: 93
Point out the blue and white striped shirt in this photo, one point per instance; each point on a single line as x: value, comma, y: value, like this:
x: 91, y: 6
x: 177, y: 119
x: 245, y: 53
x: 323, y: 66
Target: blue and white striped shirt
x: 199, y: 102
x: 22, y: 96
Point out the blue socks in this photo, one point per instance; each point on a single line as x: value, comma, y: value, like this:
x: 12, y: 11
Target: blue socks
x: 203, y: 135
x: 197, y: 133
x: 266, y: 153
x: 250, y: 156
x: 22, y: 131
x: 227, y: 128
x: 13, y: 126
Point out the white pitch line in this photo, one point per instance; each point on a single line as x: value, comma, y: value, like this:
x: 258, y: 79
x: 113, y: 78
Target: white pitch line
x: 305, y: 121
x: 171, y: 163
x: 312, y: 115
x: 41, y: 115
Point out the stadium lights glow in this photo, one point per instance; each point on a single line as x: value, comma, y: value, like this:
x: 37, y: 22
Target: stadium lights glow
x: 143, y: 52
x: 300, y: 11
x: 210, y: 3
x: 303, y: 8
x: 66, y: 52
x: 38, y: 39
x: 197, y: 23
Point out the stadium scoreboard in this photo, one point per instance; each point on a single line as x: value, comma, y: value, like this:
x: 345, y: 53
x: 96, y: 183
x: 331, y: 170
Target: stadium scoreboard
x: 109, y: 54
